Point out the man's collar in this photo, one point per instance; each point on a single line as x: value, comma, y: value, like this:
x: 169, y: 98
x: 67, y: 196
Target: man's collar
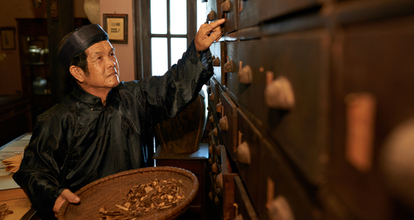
x: 85, y: 97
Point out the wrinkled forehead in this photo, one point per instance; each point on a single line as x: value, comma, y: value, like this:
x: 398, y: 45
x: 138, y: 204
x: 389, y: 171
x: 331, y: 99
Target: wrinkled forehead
x: 100, y: 48
x: 79, y: 41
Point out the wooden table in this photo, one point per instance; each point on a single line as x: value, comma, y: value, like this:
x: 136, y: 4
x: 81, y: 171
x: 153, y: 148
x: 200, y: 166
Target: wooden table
x: 196, y: 163
x: 10, y: 193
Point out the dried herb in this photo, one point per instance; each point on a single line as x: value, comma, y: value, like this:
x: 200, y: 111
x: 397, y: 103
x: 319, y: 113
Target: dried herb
x: 146, y: 199
x: 4, y: 210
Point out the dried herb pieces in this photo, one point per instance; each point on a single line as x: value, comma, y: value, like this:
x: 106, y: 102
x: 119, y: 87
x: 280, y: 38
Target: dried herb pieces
x: 4, y: 210
x: 146, y: 199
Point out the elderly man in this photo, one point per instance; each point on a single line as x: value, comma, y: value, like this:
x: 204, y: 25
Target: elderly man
x: 98, y: 129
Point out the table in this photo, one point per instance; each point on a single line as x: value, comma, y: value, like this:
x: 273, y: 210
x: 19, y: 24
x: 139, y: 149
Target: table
x: 10, y: 192
x: 196, y: 163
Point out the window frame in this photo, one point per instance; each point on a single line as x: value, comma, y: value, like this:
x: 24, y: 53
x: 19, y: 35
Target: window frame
x: 143, y: 35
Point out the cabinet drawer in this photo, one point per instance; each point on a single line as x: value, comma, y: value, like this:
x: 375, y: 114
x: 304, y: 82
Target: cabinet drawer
x: 245, y: 57
x: 242, y: 203
x: 280, y: 188
x: 248, y: 156
x: 227, y: 178
x: 213, y: 97
x: 213, y: 11
x: 228, y: 124
x: 299, y: 64
x: 248, y: 13
x: 218, y: 51
x: 230, y: 11
x: 374, y: 77
x: 271, y: 9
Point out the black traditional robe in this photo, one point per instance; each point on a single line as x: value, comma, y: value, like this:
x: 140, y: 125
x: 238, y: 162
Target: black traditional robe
x: 80, y: 140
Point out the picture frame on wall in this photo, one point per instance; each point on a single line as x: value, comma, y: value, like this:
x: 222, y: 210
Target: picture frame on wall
x: 8, y: 40
x: 116, y: 25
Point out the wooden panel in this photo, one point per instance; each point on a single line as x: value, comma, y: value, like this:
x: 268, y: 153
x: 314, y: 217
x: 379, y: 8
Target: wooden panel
x: 213, y: 10
x: 231, y: 16
x: 248, y: 13
x: 249, y: 147
x: 301, y: 128
x: 228, y: 124
x: 247, y: 54
x: 271, y: 9
x: 228, y: 185
x: 213, y: 97
x: 242, y: 202
x: 218, y: 51
x: 374, y: 59
x: 280, y: 183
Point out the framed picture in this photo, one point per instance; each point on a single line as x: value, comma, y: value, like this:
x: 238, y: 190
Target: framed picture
x: 8, y: 41
x: 116, y: 25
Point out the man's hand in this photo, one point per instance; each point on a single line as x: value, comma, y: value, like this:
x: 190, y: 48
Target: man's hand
x: 207, y: 34
x: 65, y: 195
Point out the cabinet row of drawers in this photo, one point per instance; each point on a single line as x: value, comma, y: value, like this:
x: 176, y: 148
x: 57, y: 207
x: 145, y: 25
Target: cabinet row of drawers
x: 310, y: 112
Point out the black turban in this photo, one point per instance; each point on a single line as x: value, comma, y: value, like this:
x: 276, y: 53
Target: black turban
x: 79, y: 41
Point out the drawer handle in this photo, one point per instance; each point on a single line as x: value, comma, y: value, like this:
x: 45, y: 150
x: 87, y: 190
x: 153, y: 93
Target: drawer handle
x: 211, y: 16
x: 215, y: 132
x: 224, y: 124
x: 218, y: 107
x: 243, y: 153
x: 216, y: 61
x: 212, y: 96
x: 279, y: 208
x: 245, y: 74
x: 228, y: 66
x: 219, y: 180
x: 215, y: 168
x: 211, y: 119
x: 238, y: 217
x: 217, y: 150
x: 279, y: 93
x: 225, y: 6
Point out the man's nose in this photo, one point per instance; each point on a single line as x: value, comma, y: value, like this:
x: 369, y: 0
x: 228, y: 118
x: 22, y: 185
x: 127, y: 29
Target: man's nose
x: 111, y: 62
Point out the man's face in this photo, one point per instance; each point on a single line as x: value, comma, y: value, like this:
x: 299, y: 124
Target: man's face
x: 103, y: 67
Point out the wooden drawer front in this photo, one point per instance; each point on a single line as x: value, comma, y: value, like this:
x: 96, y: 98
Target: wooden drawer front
x: 248, y: 155
x: 218, y: 51
x: 375, y: 84
x: 228, y: 185
x: 242, y: 203
x: 301, y: 61
x: 231, y: 15
x: 213, y: 97
x: 247, y: 55
x: 228, y: 124
x: 248, y: 13
x: 281, y: 188
x: 271, y: 9
x: 212, y: 13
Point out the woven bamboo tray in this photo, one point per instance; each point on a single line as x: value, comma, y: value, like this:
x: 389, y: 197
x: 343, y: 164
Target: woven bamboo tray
x: 111, y: 190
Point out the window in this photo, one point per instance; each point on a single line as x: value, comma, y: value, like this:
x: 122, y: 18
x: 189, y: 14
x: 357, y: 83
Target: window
x: 168, y: 26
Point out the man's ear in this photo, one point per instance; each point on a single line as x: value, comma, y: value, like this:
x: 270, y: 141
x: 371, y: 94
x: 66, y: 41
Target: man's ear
x: 77, y: 73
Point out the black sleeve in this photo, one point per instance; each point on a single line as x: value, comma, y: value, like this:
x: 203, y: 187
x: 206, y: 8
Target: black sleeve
x: 39, y: 171
x: 165, y: 96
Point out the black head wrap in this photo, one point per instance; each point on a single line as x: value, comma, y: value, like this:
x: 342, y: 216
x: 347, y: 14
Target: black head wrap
x: 79, y: 41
